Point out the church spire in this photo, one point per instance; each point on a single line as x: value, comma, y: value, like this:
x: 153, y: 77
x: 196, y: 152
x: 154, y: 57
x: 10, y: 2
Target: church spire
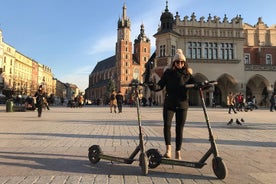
x: 124, y: 21
x: 124, y: 12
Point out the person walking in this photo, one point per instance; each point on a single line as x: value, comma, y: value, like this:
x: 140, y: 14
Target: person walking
x: 113, y: 102
x: 231, y: 103
x: 272, y: 102
x: 176, y: 100
x: 254, y: 102
x: 39, y: 95
x: 239, y: 102
x: 120, y: 99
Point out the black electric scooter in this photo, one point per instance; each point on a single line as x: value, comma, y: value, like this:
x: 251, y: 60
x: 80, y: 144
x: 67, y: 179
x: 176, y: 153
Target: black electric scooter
x: 95, y: 153
x: 219, y: 167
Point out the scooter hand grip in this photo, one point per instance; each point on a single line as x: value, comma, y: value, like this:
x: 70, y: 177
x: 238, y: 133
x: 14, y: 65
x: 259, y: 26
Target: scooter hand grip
x: 190, y: 85
x: 213, y: 82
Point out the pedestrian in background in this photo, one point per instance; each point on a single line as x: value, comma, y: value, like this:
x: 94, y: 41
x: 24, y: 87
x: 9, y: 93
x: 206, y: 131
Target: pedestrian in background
x: 254, y: 102
x: 231, y: 102
x: 120, y: 100
x: 272, y: 102
x: 39, y: 95
x: 113, y: 102
x: 239, y: 102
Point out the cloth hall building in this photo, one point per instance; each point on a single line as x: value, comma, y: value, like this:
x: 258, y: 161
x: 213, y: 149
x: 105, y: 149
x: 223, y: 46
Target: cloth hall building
x: 241, y: 57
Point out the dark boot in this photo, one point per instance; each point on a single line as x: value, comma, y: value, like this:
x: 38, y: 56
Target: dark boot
x: 238, y: 122
x: 230, y: 122
x: 242, y: 120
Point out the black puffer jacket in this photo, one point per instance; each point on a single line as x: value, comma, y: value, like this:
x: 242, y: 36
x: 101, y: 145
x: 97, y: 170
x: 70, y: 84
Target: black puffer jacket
x: 176, y: 92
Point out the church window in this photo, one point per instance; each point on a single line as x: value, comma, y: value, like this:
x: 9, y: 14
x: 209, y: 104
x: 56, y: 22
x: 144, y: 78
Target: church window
x: 173, y: 50
x: 162, y: 50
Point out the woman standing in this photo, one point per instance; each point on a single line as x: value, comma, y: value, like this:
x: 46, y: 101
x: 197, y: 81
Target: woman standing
x: 176, y: 100
x: 113, y: 102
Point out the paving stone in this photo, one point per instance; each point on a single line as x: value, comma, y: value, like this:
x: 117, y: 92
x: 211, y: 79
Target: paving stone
x: 54, y: 148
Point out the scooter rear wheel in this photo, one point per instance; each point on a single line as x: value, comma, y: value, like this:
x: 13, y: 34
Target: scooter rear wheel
x: 154, y: 158
x: 144, y: 163
x: 94, y: 154
x: 219, y: 167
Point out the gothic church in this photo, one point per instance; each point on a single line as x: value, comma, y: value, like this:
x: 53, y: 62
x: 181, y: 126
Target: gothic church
x: 119, y: 70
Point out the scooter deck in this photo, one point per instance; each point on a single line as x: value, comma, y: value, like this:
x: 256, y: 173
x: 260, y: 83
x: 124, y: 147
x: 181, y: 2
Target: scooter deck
x: 116, y: 159
x: 182, y: 163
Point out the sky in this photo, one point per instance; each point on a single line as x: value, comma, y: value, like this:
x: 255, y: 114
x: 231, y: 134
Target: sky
x: 71, y: 36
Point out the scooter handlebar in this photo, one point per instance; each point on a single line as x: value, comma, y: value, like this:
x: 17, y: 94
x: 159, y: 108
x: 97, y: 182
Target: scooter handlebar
x: 205, y: 84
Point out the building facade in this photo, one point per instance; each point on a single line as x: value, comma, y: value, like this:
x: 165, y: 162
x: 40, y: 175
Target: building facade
x: 260, y: 60
x: 128, y: 63
x: 21, y: 75
x: 227, y: 51
x: 1, y: 62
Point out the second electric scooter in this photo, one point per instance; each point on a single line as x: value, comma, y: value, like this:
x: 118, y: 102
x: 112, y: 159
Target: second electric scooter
x: 95, y: 152
x: 219, y: 167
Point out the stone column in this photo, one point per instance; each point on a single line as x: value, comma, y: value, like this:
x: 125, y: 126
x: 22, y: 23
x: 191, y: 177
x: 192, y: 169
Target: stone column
x: 211, y: 95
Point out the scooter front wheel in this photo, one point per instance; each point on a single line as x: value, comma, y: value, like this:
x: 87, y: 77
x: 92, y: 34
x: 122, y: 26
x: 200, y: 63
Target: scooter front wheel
x: 219, y: 168
x: 144, y: 163
x: 154, y: 157
x: 94, y: 154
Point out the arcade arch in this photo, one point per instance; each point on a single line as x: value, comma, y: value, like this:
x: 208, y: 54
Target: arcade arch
x: 258, y: 86
x: 226, y: 84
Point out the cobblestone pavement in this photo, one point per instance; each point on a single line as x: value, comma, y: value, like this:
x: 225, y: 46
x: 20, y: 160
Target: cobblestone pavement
x: 53, y: 149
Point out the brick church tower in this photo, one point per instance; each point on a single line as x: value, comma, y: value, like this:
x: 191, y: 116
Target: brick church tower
x: 130, y: 66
